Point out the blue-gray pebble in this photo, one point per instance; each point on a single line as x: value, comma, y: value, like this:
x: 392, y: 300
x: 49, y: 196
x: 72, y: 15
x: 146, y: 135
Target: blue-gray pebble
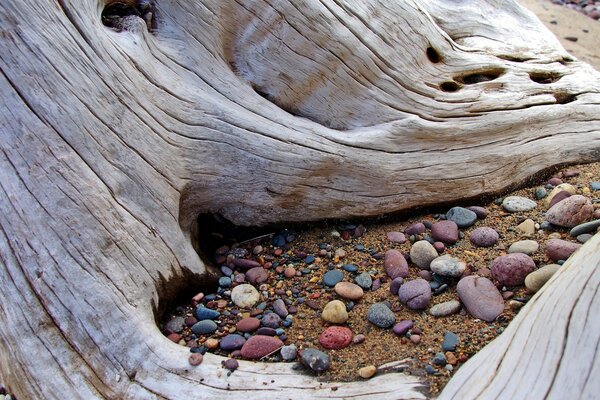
x: 364, y: 280
x: 206, y: 313
x: 380, y: 315
x: 450, y: 341
x: 204, y: 327
x: 331, y: 278
x: 461, y: 216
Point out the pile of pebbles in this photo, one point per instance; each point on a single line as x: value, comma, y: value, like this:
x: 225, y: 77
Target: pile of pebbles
x: 591, y: 8
x: 444, y: 285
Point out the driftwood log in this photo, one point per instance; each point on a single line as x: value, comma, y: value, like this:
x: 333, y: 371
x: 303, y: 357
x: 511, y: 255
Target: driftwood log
x: 120, y: 123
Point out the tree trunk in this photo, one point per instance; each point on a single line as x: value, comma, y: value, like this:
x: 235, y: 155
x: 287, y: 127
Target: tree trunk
x: 114, y: 141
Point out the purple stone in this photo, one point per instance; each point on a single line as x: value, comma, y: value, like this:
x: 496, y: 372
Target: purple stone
x: 232, y: 342
x: 264, y: 331
x: 395, y: 285
x: 395, y: 264
x: 484, y: 237
x: 231, y: 364
x: 445, y: 231
x: 416, y: 294
x: 402, y: 327
x: 415, y: 229
x: 479, y: 211
x: 280, y: 308
x: 247, y: 264
x: 271, y: 320
x: 396, y: 237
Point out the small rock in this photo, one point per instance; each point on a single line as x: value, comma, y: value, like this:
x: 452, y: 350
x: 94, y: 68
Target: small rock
x: 380, y: 315
x: 524, y: 246
x: 271, y: 320
x: 367, y: 372
x: 584, y: 238
x: 211, y: 343
x: 195, y: 359
x: 315, y: 359
x: 358, y: 339
x: 447, y: 265
x: 335, y: 312
x: 511, y: 269
x: 339, y: 253
x: 395, y: 285
x: 246, y: 264
x: 527, y: 227
x: 416, y: 339
x: 484, y: 237
x: 535, y: 280
x: 206, y: 313
x: 396, y: 237
x: 588, y: 227
x: 231, y: 364
x: 204, y: 327
x: 445, y: 231
x: 554, y: 181
x: 175, y: 325
x: 395, y: 264
x: 595, y: 186
x: 332, y: 277
x: 336, y: 338
x: 350, y: 268
x: 260, y: 346
x: 540, y: 193
x: 421, y: 254
x: 558, y: 249
x: 416, y: 294
x: 480, y: 297
x: 402, y: 327
x: 232, y: 342
x: 563, y: 187
x: 257, y: 275
x: 245, y: 296
x: 463, y: 217
x: 249, y: 324
x: 415, y: 229
x: 518, y: 204
x: 280, y: 308
x: 446, y: 308
x: 440, y: 359
x: 364, y: 280
x: 349, y: 291
x: 289, y: 272
x: 560, y: 196
x: 570, y: 212
x: 450, y: 341
x: 288, y: 353
x: 479, y: 211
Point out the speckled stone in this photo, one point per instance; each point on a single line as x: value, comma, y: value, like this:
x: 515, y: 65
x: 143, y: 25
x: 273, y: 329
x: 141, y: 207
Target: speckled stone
x: 396, y: 237
x: 259, y: 346
x: 395, y: 264
x: 570, y: 212
x: 271, y: 320
x: 257, y: 275
x: 446, y: 308
x: 335, y: 312
x: 538, y: 278
x: 245, y: 296
x: 484, y: 237
x: 445, y: 232
x: 480, y: 297
x: 511, y: 269
x: 380, y: 315
x: 447, y: 265
x: 421, y: 254
x: 416, y: 294
x: 288, y: 353
x: 463, y: 217
x: 524, y: 246
x: 558, y: 249
x: 314, y: 359
x: 336, y: 338
x: 348, y: 290
x: 364, y: 280
x: 518, y: 204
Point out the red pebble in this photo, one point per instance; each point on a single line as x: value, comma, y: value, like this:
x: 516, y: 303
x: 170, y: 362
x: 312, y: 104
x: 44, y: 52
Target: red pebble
x: 174, y: 337
x: 336, y: 337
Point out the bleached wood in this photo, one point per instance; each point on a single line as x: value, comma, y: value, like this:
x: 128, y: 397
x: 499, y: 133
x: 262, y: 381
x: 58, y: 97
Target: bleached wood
x: 113, y: 142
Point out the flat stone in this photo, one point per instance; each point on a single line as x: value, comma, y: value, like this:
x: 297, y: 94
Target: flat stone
x: 395, y: 285
x: 367, y: 372
x: 415, y: 229
x: 463, y: 217
x: 584, y: 238
x: 206, y: 313
x: 288, y: 353
x: 511, y: 269
x: 570, y: 212
x: 314, y: 359
x: 560, y: 196
x: 450, y: 341
x: 481, y: 212
x: 527, y: 227
x: 280, y: 308
x: 245, y: 296
x: 257, y: 275
x: 348, y: 290
x: 395, y: 264
x: 445, y: 231
x: 335, y: 312
x: 364, y: 280
x: 175, y: 325
x: 538, y: 278
x: 559, y: 188
x: 336, y: 338
x: 595, y: 186
x: 266, y: 331
x: 260, y: 346
x: 446, y: 308
x: 422, y: 253
x: 204, y: 327
x: 416, y: 294
x: 249, y: 324
x: 352, y: 268
x: 402, y: 327
x: 484, y: 237
x: 588, y: 227
x: 232, y: 342
x: 524, y: 246
x: 558, y: 249
x: 332, y: 277
x: 447, y: 265
x: 480, y: 297
x: 380, y: 315
x: 231, y: 364
x: 518, y: 204
x: 246, y: 264
x: 271, y: 320
x: 396, y: 237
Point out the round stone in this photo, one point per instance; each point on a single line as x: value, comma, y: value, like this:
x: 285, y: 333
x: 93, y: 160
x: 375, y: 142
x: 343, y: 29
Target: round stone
x: 447, y: 265
x: 232, y: 342
x: 280, y: 308
x: 249, y: 324
x: 511, y: 269
x: 446, y: 308
x: 421, y: 254
x: 204, y: 327
x: 524, y: 246
x: 257, y: 275
x: 271, y: 320
x: 445, y: 231
x: 402, y: 327
x: 395, y: 264
x: 479, y: 211
x: 352, y: 268
x: 415, y: 229
x: 558, y: 249
x: 231, y: 364
x: 518, y: 204
x: 396, y: 237
x: 558, y: 197
x: 367, y: 372
x: 480, y: 297
x: 336, y: 337
x: 224, y: 282
x: 288, y: 353
x: 538, y: 278
x: 380, y: 315
x: 364, y: 280
x: 570, y: 212
x: 175, y: 325
x: 314, y: 359
x: 463, y: 217
x: 245, y: 296
x: 335, y: 312
x: 260, y: 346
x: 395, y: 285
x: 484, y: 237
x: 332, y: 277
x: 348, y: 290
x: 289, y: 272
x: 416, y: 294
x: 195, y: 359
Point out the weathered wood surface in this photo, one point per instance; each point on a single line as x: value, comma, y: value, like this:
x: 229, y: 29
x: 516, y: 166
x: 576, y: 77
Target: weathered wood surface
x: 113, y: 142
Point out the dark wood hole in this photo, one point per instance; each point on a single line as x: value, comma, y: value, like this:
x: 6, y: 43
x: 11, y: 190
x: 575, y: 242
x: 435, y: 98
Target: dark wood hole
x: 480, y: 76
x: 514, y: 58
x: 564, y: 98
x: 433, y: 55
x: 449, y: 86
x: 118, y: 14
x: 544, y: 77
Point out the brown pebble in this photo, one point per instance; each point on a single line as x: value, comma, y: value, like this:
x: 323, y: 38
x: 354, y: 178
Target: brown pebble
x: 211, y: 343
x: 367, y: 372
x: 289, y: 272
x: 195, y: 359
x: 451, y: 358
x: 358, y: 339
x: 416, y: 339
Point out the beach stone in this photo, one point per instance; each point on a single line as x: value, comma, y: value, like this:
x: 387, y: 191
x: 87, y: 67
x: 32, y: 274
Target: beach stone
x: 336, y: 338
x: 349, y: 290
x: 259, y: 346
x: 588, y: 227
x: 246, y: 264
x: 257, y: 275
x: 416, y: 339
x: 570, y: 212
x: 422, y: 253
x: 415, y: 229
x: 280, y: 308
x: 402, y: 327
x: 314, y: 359
x: 558, y: 249
x: 231, y: 364
x: 484, y: 237
x: 332, y: 277
x: 445, y: 231
x: 480, y: 297
x: 335, y: 312
x: 395, y: 264
x: 563, y: 187
x: 271, y: 320
x: 416, y: 294
x: 524, y: 246
x: 224, y: 282
x: 266, y: 331
x: 195, y: 359
x: 540, y: 193
x: 206, y: 313
x: 395, y: 285
x: 380, y: 315
x: 352, y: 268
x: 440, y: 359
x: 511, y: 269
x: 364, y: 280
x: 249, y: 324
x: 527, y: 227
x: 446, y: 308
x: 518, y: 204
x: 450, y: 341
x: 288, y: 353
x: 481, y: 212
x: 396, y: 237
x: 535, y: 280
x: 367, y: 372
x: 560, y: 196
x: 211, y: 343
x: 584, y: 238
x: 232, y: 342
x: 289, y: 272
x: 175, y: 325
x: 595, y: 186
x: 204, y: 327
x: 358, y: 339
x: 554, y: 181
x: 447, y: 265
x: 463, y: 217
x: 245, y: 296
